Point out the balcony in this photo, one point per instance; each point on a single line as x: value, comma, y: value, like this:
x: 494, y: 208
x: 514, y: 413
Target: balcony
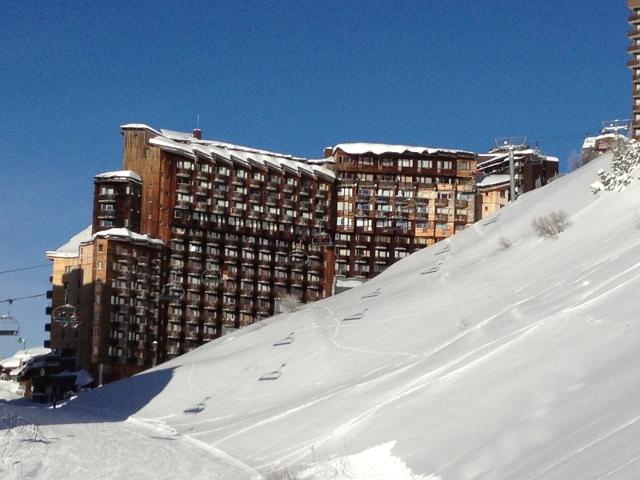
x: 441, y: 202
x: 255, y: 198
x: 107, y: 197
x: 289, y: 188
x: 634, y: 62
x: 462, y: 203
x: 634, y: 47
x: 634, y: 18
x: 273, y: 186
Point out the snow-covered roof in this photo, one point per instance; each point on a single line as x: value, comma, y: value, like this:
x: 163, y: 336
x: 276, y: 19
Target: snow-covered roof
x: 120, y: 174
x: 138, y: 126
x: 591, y: 142
x: 381, y: 149
x: 498, y: 156
x: 493, y: 180
x: 22, y: 356
x: 192, y: 147
x: 71, y: 248
x: 125, y: 233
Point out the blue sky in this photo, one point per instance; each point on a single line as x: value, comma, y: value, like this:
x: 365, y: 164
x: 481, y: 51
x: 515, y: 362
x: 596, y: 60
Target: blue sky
x: 287, y: 76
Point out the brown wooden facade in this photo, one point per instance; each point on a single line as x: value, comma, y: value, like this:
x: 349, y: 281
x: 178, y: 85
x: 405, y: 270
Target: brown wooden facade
x: 634, y: 65
x: 243, y: 230
x: 396, y: 200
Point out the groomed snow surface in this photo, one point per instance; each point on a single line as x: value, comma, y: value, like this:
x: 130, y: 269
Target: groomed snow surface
x: 493, y: 355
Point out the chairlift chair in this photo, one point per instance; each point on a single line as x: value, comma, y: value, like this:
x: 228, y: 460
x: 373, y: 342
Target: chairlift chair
x: 373, y: 294
x: 274, y: 375
x: 212, y: 277
x: 9, y: 326
x: 172, y: 292
x: 298, y: 257
x: 429, y: 270
x: 66, y: 316
x: 355, y: 316
x: 284, y: 341
x: 322, y: 240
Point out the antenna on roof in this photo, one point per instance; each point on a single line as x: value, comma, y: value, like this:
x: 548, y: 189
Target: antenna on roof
x: 510, y: 144
x: 198, y: 121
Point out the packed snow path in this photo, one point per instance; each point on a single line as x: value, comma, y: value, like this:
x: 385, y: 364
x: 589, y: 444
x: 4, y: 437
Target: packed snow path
x: 38, y: 442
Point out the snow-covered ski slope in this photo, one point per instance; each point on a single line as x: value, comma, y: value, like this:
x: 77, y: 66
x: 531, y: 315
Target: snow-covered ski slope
x: 478, y: 360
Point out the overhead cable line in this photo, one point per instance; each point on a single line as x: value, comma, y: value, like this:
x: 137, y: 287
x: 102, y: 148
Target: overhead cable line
x: 11, y: 300
x: 20, y: 269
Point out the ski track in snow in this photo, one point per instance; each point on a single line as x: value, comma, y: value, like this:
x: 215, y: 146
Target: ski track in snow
x: 585, y: 447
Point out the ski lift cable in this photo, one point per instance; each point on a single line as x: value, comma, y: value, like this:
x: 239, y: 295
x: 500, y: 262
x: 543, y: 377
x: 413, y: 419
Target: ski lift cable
x: 20, y: 269
x: 11, y: 300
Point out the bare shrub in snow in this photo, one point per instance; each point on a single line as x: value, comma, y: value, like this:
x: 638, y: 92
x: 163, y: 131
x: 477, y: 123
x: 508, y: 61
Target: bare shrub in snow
x: 289, y: 303
x: 504, y: 243
x: 283, y: 474
x: 550, y: 226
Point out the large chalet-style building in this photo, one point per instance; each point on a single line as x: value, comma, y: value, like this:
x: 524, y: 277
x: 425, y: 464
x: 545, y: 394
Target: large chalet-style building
x: 191, y: 239
x: 393, y: 200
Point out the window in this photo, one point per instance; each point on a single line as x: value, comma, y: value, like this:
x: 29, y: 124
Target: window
x: 405, y: 163
x: 425, y: 163
x: 345, y: 222
x: 446, y: 164
x: 99, y: 265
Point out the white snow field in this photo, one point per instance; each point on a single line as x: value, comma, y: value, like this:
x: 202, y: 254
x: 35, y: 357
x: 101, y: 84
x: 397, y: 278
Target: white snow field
x: 493, y: 355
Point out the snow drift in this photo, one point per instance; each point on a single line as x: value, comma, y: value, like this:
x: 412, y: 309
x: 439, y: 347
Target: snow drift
x: 496, y: 354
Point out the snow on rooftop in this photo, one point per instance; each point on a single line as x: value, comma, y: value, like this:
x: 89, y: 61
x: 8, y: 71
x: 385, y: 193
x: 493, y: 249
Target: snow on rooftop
x: 72, y: 247
x: 192, y: 147
x: 381, y: 149
x: 124, y: 174
x: 22, y: 356
x: 138, y: 126
x: 127, y: 234
x: 492, y: 180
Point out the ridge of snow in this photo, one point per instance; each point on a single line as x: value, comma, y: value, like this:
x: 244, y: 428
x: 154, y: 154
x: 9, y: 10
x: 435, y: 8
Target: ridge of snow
x: 127, y: 234
x: 381, y: 149
x: 127, y: 174
x: 376, y: 463
x: 491, y: 180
